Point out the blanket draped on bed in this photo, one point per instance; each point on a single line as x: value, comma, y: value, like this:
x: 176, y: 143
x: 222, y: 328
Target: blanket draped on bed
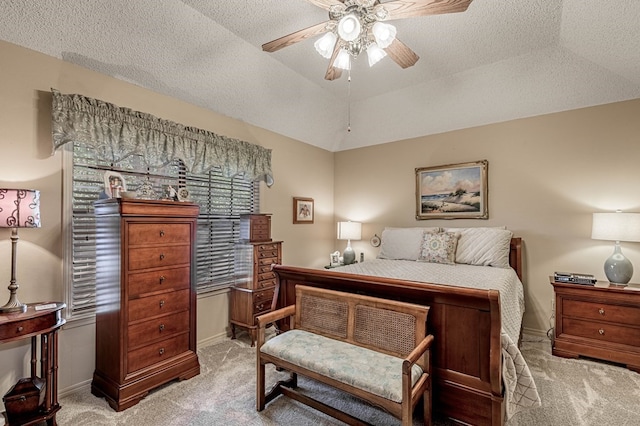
x: 520, y: 390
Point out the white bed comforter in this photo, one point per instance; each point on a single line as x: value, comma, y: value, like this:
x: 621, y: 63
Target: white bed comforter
x: 521, y: 391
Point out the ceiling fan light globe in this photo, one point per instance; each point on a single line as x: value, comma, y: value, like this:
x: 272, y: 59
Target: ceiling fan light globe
x: 384, y: 34
x: 375, y: 54
x: 325, y: 44
x: 349, y: 27
x: 343, y: 60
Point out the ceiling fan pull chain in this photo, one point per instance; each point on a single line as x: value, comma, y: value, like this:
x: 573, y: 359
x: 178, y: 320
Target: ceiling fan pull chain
x: 349, y: 101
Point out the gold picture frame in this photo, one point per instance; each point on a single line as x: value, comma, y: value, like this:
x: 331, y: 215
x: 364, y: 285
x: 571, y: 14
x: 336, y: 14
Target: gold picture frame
x: 303, y: 210
x: 454, y: 191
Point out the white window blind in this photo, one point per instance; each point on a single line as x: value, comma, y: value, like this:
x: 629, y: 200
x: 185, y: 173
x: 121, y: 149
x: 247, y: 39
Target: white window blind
x: 221, y: 201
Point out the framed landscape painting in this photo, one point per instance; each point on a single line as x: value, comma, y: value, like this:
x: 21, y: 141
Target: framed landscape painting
x: 455, y: 191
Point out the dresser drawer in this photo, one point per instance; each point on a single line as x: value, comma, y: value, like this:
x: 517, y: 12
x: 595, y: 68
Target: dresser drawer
x: 268, y: 247
x: 262, y: 295
x: 161, y: 304
x: 267, y: 276
x: 158, y: 233
x: 153, y: 257
x: 262, y: 269
x: 267, y: 261
x: 601, y: 312
x: 157, y: 352
x: 157, y: 328
x: 265, y: 283
x: 262, y: 254
x: 162, y: 280
x: 605, y: 332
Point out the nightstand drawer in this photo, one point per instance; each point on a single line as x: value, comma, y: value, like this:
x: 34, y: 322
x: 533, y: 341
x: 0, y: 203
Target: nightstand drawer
x: 601, y: 331
x: 601, y: 312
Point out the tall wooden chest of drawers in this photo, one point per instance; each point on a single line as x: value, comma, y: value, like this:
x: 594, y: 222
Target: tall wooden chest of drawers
x: 146, y: 299
x: 601, y: 321
x: 255, y: 283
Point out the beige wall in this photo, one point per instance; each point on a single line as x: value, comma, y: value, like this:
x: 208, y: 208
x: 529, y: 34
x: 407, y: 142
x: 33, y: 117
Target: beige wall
x: 25, y: 144
x: 547, y: 175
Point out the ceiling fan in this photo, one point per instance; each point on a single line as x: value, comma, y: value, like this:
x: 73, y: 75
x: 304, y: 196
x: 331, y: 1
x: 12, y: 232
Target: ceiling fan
x: 355, y: 26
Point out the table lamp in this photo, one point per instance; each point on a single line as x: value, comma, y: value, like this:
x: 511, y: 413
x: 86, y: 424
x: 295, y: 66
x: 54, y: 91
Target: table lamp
x: 349, y: 231
x: 19, y: 208
x: 617, y: 227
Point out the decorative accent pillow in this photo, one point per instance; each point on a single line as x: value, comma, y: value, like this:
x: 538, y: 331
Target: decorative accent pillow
x: 439, y: 247
x: 483, y: 246
x: 402, y: 243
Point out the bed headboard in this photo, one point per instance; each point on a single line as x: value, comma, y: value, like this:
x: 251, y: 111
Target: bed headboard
x: 515, y: 255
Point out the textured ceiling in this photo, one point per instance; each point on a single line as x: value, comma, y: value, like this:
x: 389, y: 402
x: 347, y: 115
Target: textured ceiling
x: 499, y: 60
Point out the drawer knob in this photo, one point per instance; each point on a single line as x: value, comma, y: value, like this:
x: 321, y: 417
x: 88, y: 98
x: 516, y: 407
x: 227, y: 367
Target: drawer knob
x: 601, y: 311
x: 161, y: 327
x: 161, y: 233
x: 161, y: 351
x: 601, y: 331
x: 161, y: 303
x: 162, y: 278
x: 20, y: 329
x: 161, y: 256
x: 260, y: 306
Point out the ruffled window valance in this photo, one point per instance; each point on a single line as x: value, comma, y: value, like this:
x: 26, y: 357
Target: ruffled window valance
x: 117, y: 133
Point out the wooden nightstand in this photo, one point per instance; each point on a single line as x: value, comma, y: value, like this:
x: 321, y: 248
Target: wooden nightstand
x: 600, y: 321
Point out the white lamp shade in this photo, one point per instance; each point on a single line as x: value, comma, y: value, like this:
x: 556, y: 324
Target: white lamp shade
x: 19, y: 208
x: 325, y: 44
x: 384, y: 34
x: 349, y: 27
x: 343, y: 60
x: 349, y: 230
x: 616, y: 226
x: 375, y: 54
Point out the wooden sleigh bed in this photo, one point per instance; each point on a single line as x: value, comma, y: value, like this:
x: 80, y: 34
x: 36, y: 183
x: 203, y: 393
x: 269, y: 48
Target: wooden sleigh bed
x: 465, y: 322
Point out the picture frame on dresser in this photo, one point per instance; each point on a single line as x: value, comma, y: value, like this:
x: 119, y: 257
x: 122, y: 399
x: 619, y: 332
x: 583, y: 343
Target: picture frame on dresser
x: 302, y: 210
x: 453, y: 191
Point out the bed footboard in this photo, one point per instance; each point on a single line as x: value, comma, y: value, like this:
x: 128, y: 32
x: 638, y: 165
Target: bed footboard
x: 465, y: 322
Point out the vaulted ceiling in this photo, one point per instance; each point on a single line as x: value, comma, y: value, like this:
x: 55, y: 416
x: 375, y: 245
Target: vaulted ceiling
x: 497, y: 61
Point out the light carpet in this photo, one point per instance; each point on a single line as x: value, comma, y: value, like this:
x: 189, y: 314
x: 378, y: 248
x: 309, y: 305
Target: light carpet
x: 573, y: 392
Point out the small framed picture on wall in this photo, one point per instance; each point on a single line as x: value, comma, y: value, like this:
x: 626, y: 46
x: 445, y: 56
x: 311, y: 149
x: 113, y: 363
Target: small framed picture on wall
x: 302, y: 210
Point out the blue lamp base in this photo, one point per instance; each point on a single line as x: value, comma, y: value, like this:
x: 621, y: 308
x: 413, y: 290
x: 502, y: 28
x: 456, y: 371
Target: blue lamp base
x: 617, y: 267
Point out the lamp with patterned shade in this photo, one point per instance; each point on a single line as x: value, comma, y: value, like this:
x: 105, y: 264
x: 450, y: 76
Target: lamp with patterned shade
x: 19, y: 208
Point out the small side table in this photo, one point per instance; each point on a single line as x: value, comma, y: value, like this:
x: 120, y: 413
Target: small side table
x: 598, y: 321
x: 44, y: 323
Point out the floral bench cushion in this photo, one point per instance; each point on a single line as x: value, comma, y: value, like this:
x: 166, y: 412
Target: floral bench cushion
x: 362, y: 368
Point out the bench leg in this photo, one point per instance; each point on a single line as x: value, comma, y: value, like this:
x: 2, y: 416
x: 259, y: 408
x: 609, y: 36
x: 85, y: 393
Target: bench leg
x: 426, y: 402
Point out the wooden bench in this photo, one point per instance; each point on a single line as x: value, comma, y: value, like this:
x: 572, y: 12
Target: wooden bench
x: 372, y: 348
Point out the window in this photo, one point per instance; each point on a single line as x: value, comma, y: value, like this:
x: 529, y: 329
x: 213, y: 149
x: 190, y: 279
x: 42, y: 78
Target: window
x: 221, y: 201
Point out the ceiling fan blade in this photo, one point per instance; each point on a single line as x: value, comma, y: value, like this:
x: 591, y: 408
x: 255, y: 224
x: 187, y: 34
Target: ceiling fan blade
x: 292, y: 38
x: 399, y: 9
x: 325, y: 4
x: 402, y: 54
x: 333, y: 73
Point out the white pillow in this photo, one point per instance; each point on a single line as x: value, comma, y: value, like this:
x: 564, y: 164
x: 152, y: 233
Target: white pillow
x: 402, y: 243
x: 483, y: 246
